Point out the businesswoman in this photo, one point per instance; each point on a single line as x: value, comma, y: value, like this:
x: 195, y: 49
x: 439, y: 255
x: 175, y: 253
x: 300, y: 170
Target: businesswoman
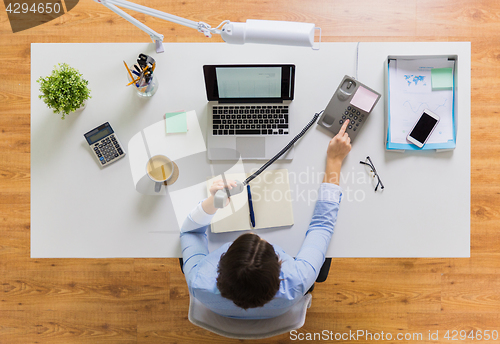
x: 250, y: 277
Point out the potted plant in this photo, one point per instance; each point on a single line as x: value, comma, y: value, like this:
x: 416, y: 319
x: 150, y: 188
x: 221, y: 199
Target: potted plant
x: 65, y: 90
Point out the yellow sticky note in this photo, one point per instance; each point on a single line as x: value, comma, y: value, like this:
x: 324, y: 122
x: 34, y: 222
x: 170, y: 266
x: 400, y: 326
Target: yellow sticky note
x: 442, y: 78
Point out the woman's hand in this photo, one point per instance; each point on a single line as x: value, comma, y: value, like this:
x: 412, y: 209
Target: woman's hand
x: 219, y: 185
x: 338, y: 148
x: 208, y: 204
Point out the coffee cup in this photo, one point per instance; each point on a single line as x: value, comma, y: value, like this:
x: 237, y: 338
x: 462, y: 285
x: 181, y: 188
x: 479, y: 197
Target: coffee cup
x: 160, y: 169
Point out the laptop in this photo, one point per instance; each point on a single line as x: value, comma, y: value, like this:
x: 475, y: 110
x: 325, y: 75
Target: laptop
x: 248, y: 110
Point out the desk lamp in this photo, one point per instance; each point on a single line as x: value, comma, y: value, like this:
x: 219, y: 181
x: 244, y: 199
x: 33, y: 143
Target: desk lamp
x: 253, y: 31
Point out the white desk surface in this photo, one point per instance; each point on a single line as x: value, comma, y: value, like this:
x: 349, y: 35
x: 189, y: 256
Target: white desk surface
x: 79, y: 210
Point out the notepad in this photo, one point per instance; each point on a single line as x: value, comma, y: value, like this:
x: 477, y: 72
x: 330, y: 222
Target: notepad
x: 442, y: 78
x: 271, y: 198
x: 175, y: 122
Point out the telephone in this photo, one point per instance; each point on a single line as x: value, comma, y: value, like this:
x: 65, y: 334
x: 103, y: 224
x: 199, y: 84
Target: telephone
x: 351, y: 101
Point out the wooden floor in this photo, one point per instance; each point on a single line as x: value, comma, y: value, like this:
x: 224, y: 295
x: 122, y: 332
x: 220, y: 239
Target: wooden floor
x: 146, y: 300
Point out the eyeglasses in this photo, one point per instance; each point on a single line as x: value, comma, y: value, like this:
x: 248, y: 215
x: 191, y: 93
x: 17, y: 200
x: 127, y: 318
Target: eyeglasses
x: 368, y: 162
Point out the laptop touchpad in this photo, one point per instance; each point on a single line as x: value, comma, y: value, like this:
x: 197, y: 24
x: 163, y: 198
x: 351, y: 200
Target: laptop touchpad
x: 251, y: 147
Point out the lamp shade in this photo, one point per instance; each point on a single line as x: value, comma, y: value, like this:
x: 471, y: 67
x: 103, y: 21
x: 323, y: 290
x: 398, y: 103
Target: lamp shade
x: 269, y: 32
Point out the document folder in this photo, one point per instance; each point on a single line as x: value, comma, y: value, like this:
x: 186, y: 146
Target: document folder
x: 408, y: 83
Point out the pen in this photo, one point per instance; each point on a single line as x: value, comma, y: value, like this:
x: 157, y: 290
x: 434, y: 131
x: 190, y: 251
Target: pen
x: 250, y: 206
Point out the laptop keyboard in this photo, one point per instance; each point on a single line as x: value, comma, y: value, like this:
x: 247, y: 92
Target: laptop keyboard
x: 250, y: 120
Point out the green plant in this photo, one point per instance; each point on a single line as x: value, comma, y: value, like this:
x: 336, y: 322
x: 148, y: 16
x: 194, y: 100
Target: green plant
x: 64, y: 90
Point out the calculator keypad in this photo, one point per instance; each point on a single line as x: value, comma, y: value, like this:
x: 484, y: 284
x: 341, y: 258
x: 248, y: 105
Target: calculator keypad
x: 108, y: 149
x: 355, y: 117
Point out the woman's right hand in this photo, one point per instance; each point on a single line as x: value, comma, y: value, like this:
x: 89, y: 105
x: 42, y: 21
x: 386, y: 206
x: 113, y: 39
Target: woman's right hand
x: 339, y: 146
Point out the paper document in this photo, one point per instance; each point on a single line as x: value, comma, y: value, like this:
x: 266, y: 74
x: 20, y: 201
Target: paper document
x: 411, y: 92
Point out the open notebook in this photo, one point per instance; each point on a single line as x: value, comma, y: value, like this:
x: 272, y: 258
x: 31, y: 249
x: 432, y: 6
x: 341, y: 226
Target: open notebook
x: 272, y: 203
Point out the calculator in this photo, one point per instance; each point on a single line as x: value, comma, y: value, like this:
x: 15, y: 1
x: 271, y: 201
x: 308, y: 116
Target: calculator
x: 351, y: 101
x: 104, y: 144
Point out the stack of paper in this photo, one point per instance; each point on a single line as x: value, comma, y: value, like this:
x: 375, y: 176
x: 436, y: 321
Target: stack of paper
x: 413, y: 87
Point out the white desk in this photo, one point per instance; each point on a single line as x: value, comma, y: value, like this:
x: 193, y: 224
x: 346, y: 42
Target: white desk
x: 79, y: 210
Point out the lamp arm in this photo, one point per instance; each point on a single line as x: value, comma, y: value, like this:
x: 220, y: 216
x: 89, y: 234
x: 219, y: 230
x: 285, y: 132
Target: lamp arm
x: 253, y: 31
x: 152, y: 12
x: 202, y: 27
x: 155, y: 36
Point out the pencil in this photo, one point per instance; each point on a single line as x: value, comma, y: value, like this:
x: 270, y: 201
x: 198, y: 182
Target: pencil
x: 129, y: 73
x: 130, y: 83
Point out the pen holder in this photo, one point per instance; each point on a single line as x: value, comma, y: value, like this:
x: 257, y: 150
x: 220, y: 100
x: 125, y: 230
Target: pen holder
x: 146, y: 89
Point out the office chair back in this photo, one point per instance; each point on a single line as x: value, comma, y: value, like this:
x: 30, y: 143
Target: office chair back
x: 203, y: 317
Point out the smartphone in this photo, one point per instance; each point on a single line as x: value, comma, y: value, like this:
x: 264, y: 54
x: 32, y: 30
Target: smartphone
x: 423, y: 128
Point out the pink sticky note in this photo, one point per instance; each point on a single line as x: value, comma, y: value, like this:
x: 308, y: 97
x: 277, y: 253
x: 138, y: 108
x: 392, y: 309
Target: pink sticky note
x: 364, y: 99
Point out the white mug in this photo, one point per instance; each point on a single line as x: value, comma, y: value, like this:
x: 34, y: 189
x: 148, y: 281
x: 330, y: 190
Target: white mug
x: 159, y: 169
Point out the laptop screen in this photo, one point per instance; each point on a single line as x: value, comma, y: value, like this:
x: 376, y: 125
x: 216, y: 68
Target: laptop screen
x: 249, y: 83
